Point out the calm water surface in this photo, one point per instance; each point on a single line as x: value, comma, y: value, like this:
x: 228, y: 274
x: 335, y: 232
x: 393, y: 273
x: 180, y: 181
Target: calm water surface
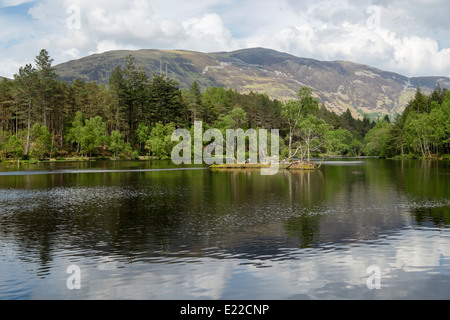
x: 150, y: 230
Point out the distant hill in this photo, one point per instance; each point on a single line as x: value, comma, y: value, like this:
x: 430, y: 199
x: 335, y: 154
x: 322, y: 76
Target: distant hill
x: 340, y: 85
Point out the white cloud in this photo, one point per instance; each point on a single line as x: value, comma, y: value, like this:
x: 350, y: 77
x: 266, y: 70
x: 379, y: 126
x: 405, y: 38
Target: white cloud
x: 415, y: 54
x: 110, y: 45
x: 413, y: 38
x: 9, y: 67
x: 13, y: 3
x: 341, y: 32
x: 208, y: 33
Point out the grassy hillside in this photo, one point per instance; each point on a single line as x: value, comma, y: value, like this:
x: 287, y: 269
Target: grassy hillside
x: 340, y: 85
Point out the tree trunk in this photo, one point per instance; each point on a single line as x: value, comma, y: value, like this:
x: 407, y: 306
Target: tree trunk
x: 51, y: 149
x: 290, y: 145
x: 27, y: 151
x: 401, y: 146
x: 45, y: 113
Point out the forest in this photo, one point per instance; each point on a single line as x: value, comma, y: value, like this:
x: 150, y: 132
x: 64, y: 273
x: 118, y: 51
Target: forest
x: 134, y: 115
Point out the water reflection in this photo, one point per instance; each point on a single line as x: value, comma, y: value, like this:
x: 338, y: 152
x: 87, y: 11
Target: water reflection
x: 226, y: 234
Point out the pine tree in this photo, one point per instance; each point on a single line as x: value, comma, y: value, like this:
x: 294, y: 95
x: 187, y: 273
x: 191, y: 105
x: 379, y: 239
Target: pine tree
x: 25, y: 91
x: 46, y: 81
x: 6, y: 104
x: 194, y: 101
x: 165, y: 102
x: 130, y: 87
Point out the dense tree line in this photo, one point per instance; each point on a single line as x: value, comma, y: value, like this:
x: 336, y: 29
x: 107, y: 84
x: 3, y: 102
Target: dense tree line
x: 42, y: 117
x: 423, y: 130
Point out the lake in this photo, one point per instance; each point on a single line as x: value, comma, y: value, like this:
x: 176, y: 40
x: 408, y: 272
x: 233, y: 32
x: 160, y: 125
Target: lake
x: 355, y: 229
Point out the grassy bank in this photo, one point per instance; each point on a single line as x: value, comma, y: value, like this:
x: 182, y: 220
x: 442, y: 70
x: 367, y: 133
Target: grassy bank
x: 75, y: 159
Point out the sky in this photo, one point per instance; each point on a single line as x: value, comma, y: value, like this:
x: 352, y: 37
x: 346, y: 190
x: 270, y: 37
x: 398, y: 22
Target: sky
x: 410, y: 37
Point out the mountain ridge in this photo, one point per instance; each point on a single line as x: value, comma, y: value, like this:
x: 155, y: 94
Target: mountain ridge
x: 340, y: 85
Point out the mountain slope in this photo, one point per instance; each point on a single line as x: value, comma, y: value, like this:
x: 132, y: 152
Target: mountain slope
x: 339, y: 84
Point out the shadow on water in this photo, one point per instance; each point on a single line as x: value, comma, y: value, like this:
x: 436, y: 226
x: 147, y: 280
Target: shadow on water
x: 138, y: 213
x: 131, y: 209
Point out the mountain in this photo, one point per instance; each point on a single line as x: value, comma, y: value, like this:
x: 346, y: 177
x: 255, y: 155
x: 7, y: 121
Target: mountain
x: 340, y: 85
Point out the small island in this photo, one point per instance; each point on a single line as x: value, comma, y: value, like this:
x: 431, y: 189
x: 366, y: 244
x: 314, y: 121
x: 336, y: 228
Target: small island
x: 284, y: 165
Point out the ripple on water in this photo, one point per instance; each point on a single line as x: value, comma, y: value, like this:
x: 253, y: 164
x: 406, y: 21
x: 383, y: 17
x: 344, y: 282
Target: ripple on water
x: 176, y: 239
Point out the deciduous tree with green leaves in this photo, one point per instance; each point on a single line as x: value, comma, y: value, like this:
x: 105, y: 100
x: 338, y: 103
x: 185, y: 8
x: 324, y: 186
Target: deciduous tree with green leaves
x: 314, y: 134
x: 93, y: 136
x: 14, y: 147
x: 41, y: 142
x: 294, y: 111
x: 378, y: 140
x: 160, y: 142
x: 142, y: 135
x: 116, y: 143
x: 76, y: 132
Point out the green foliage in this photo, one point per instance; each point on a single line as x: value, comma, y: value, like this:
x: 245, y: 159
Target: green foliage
x: 116, y: 143
x: 14, y: 147
x: 377, y: 140
x: 339, y: 142
x: 216, y: 101
x: 4, y: 138
x: 314, y: 134
x: 41, y: 142
x: 160, y: 142
x: 440, y: 121
x: 294, y: 112
x: 194, y: 102
x: 425, y: 132
x: 135, y: 112
x: 356, y: 148
x: 93, y: 135
x: 294, y: 109
x: 417, y: 133
x: 76, y: 132
x: 420, y: 102
x: 130, y: 87
x: 423, y: 128
x: 142, y: 134
x: 239, y: 118
x: 89, y: 135
x: 421, y: 131
x: 165, y: 102
x: 236, y: 119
